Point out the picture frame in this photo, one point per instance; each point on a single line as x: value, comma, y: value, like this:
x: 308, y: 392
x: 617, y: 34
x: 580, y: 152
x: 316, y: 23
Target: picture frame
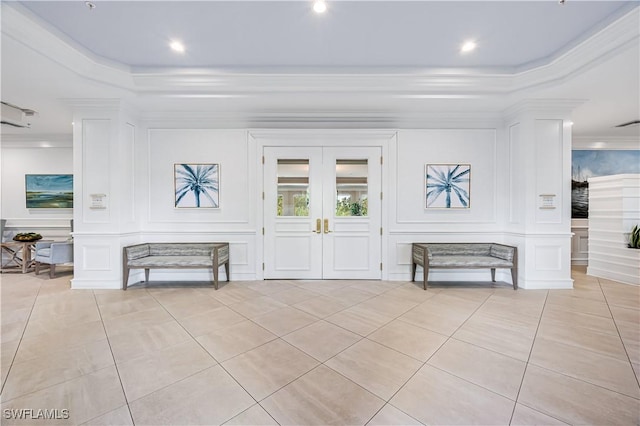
x: 49, y: 191
x: 196, y: 185
x: 447, y: 186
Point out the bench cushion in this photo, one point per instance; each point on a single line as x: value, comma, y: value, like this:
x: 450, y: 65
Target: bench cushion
x: 469, y: 262
x: 172, y: 262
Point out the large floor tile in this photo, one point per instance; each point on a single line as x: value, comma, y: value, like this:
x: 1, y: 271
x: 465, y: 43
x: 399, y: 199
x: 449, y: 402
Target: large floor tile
x: 228, y: 295
x: 441, y: 314
x: 380, y: 370
x: 149, y: 372
x: 584, y: 306
x: 554, y: 314
x: 137, y: 342
x: 228, y: 342
x: 62, y: 340
x: 254, y: 416
x: 255, y: 307
x: 575, y: 401
x: 496, y: 372
x: 284, y: 320
x: 611, y: 373
x: 39, y: 373
x: 360, y: 320
x: 85, y: 398
x: 269, y: 367
x: 389, y: 305
x: 391, y: 416
x: 525, y: 416
x: 322, y: 397
x: 433, y: 396
x: 416, y: 342
x: 271, y: 287
x: 502, y: 336
x: 209, y: 321
x: 294, y: 295
x: 208, y: 397
x: 137, y: 320
x: 120, y: 417
x: 322, y: 306
x: 322, y: 340
x: 112, y: 307
x: 602, y: 343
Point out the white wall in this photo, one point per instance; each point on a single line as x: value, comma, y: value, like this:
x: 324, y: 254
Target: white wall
x: 234, y: 221
x: 410, y: 221
x: 16, y: 163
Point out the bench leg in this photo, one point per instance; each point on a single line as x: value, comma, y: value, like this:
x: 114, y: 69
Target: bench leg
x: 226, y: 270
x: 125, y: 277
x: 493, y: 275
x: 514, y: 277
x: 52, y: 270
x: 426, y: 275
x: 413, y: 271
x: 215, y: 277
x: 146, y: 275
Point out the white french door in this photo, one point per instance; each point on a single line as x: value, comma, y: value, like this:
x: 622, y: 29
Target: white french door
x: 322, y: 212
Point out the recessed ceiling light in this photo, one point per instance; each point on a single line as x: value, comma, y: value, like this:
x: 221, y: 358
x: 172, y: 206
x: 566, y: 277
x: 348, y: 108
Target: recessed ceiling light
x: 90, y: 5
x: 177, y: 46
x: 319, y: 6
x: 468, y: 46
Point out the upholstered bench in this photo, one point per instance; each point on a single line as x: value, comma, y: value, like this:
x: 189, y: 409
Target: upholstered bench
x: 464, y: 255
x: 175, y: 256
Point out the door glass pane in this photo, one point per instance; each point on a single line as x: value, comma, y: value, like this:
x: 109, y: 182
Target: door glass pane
x: 351, y: 187
x: 293, y: 188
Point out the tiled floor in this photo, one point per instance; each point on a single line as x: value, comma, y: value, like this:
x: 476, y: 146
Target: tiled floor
x: 321, y: 352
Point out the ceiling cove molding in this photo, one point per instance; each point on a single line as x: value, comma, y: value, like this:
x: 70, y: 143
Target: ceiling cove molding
x: 20, y: 24
x: 542, y: 109
x: 326, y: 119
x: 605, y: 142
x: 37, y: 141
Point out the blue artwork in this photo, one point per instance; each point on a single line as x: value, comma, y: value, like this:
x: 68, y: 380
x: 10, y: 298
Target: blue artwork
x: 592, y: 163
x: 448, y: 186
x: 197, y: 185
x: 49, y: 191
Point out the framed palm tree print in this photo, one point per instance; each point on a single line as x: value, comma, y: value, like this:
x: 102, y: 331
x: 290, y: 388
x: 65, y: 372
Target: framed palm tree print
x: 197, y: 185
x: 447, y: 186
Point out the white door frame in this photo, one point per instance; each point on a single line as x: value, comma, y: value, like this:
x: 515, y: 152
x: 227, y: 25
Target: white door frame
x: 325, y: 138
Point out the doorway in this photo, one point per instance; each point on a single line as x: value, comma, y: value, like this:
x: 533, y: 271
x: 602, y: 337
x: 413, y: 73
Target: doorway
x: 322, y: 212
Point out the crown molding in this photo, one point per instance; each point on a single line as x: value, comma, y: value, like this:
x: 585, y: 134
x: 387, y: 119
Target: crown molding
x: 605, y: 142
x: 37, y: 141
x: 19, y: 24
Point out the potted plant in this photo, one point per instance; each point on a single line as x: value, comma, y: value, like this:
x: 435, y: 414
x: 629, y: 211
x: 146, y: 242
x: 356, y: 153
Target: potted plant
x: 634, y: 238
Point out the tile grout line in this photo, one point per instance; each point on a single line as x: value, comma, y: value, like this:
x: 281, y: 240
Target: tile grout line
x: 24, y: 330
x: 618, y: 330
x: 115, y: 364
x: 526, y: 365
x: 218, y: 362
x: 431, y: 356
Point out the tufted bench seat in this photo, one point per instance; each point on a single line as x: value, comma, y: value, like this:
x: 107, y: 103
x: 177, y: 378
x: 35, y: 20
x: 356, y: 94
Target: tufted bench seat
x: 464, y: 255
x: 175, y: 256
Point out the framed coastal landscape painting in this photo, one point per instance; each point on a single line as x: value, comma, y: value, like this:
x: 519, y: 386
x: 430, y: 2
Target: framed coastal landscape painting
x: 53, y: 191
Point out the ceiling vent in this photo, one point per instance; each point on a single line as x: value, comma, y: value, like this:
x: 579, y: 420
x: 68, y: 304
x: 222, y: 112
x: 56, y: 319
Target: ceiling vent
x: 630, y: 123
x: 15, y: 116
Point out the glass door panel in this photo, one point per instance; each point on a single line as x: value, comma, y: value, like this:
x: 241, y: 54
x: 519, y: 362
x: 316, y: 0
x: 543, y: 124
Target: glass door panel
x: 352, y: 187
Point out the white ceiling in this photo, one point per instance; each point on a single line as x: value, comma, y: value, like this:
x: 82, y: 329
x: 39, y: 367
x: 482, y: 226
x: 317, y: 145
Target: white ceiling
x: 351, y: 34
x: 260, y: 63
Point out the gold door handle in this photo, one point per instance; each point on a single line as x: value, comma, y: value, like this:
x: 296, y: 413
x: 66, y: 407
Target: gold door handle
x: 326, y: 226
x: 318, y: 227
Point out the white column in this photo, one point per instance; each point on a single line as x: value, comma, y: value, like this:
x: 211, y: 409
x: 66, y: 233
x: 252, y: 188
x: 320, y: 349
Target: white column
x: 538, y: 220
x: 104, y: 203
